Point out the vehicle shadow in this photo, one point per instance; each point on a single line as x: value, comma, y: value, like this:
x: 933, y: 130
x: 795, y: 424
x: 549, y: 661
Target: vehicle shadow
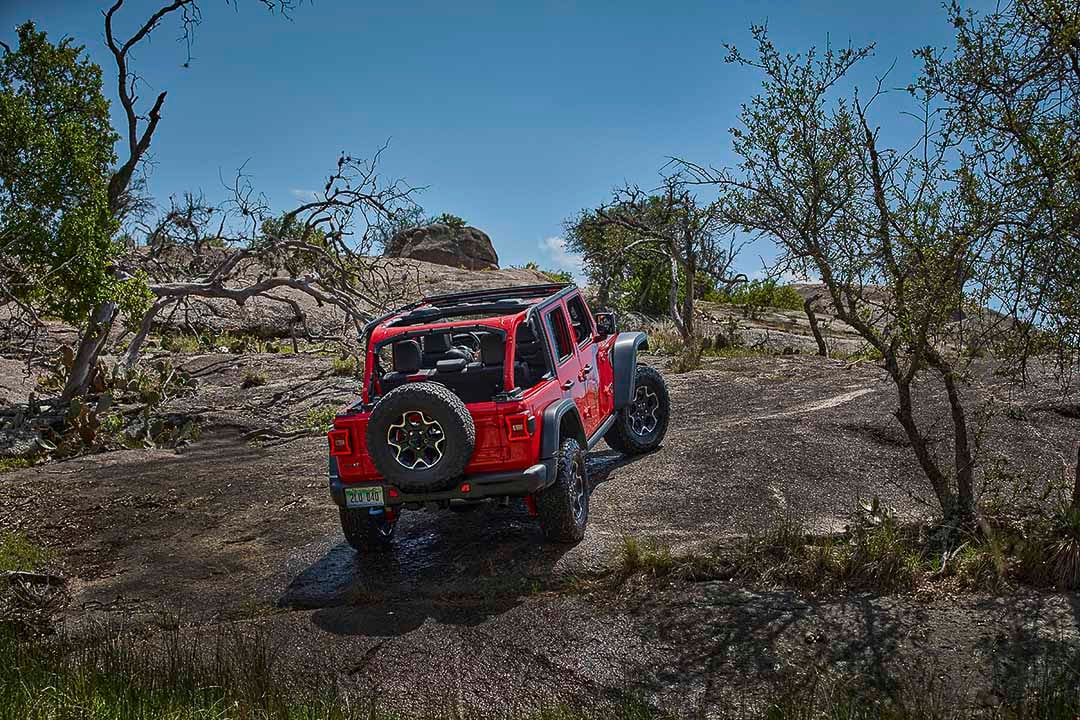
x: 452, y: 567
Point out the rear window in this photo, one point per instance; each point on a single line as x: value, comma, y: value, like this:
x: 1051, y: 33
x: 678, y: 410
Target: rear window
x: 556, y: 321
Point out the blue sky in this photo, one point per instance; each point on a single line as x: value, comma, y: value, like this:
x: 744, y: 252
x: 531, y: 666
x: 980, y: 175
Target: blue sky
x: 514, y: 115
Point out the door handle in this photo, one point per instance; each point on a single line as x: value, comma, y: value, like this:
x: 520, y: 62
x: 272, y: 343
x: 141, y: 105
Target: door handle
x: 568, y: 384
x: 584, y: 372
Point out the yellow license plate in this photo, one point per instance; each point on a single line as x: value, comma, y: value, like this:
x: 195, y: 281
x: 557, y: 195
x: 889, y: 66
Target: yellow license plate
x: 364, y: 497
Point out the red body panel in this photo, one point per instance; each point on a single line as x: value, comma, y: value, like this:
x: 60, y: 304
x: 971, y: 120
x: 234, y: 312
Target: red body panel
x: 591, y: 389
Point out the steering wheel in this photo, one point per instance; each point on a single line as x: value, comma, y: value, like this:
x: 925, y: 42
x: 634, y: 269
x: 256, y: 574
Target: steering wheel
x: 469, y: 341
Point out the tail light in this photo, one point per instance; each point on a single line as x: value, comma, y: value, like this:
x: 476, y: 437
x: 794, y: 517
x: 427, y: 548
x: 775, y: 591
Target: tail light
x: 340, y: 444
x: 520, y: 426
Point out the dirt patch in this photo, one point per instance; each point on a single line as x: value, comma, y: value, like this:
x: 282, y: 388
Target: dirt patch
x: 464, y: 612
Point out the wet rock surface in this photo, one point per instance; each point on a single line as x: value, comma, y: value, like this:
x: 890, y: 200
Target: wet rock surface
x: 474, y: 610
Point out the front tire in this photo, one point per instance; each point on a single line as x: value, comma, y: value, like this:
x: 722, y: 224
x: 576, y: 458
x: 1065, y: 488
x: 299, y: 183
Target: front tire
x: 563, y: 508
x: 640, y: 426
x: 365, y: 531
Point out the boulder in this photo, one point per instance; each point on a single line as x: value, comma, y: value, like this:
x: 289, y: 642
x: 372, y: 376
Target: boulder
x: 462, y: 247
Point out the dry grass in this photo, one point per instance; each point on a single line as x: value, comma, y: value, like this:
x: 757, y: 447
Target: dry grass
x: 879, y: 554
x: 253, y: 378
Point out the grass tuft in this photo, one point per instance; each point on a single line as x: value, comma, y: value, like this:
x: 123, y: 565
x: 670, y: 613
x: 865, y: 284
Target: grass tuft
x: 19, y: 554
x: 14, y: 463
x: 344, y: 366
x: 252, y: 378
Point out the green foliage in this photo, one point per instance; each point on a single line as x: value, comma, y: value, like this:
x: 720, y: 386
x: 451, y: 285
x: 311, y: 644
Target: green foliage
x: 57, y: 150
x: 290, y: 229
x: 556, y: 276
x: 758, y: 294
x: 212, y: 341
x: 449, y: 220
x: 638, y: 280
x: 14, y: 463
x: 316, y: 419
x: 18, y: 553
x: 121, y: 408
x: 343, y: 366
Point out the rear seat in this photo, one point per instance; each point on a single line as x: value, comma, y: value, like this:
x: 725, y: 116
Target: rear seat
x: 472, y: 382
x: 406, y: 357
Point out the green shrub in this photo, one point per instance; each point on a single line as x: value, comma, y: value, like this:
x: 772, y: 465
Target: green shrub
x: 316, y: 419
x: 253, y: 378
x: 344, y: 366
x: 555, y: 276
x: 449, y: 220
x: 758, y: 294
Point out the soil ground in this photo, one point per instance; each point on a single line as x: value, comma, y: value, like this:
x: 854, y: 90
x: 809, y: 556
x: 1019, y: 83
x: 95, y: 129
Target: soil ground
x: 465, y: 613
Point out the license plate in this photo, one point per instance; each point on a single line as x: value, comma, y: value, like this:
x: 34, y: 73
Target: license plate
x: 364, y: 497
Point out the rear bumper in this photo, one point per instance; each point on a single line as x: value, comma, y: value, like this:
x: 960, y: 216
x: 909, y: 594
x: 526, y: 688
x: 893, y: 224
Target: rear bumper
x: 517, y: 483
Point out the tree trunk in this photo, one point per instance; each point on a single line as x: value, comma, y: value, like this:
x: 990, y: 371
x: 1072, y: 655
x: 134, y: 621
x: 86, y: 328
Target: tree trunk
x: 90, y: 346
x: 603, y: 293
x: 942, y: 489
x: 145, y: 326
x: 808, y: 306
x: 673, y: 300
x: 1076, y: 482
x: 690, y: 270
x: 964, y: 463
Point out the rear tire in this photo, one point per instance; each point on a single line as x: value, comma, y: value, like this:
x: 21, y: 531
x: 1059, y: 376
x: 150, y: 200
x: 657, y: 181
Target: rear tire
x: 367, y: 532
x: 640, y: 426
x: 563, y: 508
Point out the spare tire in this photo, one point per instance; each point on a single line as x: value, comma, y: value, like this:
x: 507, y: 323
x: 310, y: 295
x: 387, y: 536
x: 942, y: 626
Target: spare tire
x: 421, y: 436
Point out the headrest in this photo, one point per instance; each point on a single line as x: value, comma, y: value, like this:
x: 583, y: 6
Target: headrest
x: 453, y: 365
x: 406, y: 356
x: 492, y: 350
x: 437, y: 343
x: 525, y: 334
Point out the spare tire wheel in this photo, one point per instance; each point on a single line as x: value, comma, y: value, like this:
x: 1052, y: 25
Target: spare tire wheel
x: 420, y: 436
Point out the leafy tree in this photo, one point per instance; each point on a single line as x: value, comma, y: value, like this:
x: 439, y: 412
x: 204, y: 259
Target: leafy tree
x: 56, y: 229
x: 64, y: 191
x: 911, y: 244
x: 651, y: 246
x: 1010, y: 89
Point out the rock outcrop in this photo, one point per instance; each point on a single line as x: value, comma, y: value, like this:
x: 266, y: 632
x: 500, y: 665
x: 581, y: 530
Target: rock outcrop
x: 464, y: 247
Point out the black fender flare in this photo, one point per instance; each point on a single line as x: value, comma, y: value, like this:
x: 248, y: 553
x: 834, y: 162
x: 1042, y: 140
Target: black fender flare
x: 554, y: 415
x: 624, y: 364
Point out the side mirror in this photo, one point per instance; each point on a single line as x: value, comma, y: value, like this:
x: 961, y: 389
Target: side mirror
x: 605, y: 324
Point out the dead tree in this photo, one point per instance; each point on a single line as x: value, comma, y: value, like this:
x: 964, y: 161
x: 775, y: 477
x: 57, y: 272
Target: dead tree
x: 241, y: 250
x: 138, y: 133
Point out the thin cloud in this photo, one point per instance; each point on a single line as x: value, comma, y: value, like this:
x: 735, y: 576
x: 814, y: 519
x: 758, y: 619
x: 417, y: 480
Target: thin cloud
x: 554, y: 249
x: 304, y: 195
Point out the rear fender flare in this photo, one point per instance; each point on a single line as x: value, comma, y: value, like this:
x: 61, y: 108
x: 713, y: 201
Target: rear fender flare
x: 624, y: 365
x: 556, y: 415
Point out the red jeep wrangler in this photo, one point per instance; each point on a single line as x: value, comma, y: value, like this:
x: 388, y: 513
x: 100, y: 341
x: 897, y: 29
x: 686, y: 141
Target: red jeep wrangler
x: 490, y: 394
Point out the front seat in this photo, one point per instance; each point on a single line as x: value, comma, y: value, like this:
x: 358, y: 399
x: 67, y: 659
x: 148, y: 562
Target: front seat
x: 438, y: 348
